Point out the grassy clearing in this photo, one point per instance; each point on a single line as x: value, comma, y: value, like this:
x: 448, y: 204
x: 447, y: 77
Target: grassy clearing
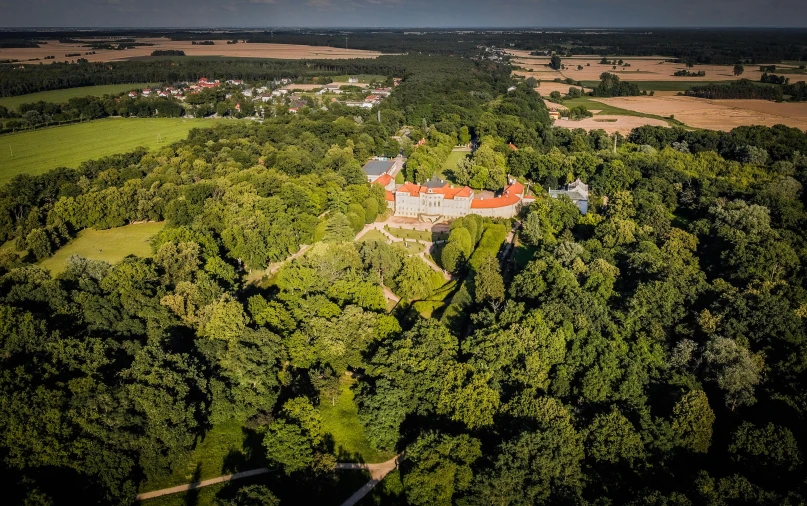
x: 221, y: 451
x: 372, y: 236
x: 410, y: 248
x: 111, y: 245
x: 341, y: 421
x: 39, y: 151
x: 61, y: 96
x: 451, y: 161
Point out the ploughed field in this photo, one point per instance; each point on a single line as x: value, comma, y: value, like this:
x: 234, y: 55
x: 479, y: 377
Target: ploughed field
x: 219, y: 48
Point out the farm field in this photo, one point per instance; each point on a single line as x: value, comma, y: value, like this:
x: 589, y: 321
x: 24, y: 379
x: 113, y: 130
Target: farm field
x: 220, y: 48
x: 649, y: 70
x: 61, y: 96
x: 610, y: 123
x: 547, y: 87
x: 715, y: 114
x: 111, y: 245
x: 38, y: 151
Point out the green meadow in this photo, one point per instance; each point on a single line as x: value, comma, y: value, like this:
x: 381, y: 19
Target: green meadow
x: 38, y: 151
x: 61, y: 96
x: 111, y: 245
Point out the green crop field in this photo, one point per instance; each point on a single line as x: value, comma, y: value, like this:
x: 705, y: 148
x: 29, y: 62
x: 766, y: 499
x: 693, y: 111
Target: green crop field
x: 38, y: 151
x: 111, y: 245
x: 61, y: 96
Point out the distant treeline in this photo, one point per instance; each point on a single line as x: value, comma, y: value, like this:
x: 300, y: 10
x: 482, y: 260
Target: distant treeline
x: 34, y: 78
x: 40, y: 114
x: 746, y: 89
x: 11, y: 44
x: 715, y: 46
x: 168, y: 52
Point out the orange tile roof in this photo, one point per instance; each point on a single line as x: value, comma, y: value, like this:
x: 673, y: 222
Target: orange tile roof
x: 503, y: 201
x: 512, y: 146
x: 383, y: 179
x: 447, y: 191
x: 390, y: 196
x: 515, y: 188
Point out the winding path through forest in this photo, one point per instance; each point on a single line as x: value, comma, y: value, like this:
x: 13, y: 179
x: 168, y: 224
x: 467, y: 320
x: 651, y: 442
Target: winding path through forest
x: 377, y: 473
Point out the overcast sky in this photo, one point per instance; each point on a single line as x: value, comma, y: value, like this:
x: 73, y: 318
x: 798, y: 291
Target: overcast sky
x: 402, y: 13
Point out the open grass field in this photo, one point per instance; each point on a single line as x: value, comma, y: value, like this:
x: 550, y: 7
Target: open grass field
x: 61, y: 96
x: 111, y: 245
x: 220, y: 48
x: 38, y: 151
x: 451, y: 162
x: 715, y: 114
x: 341, y: 420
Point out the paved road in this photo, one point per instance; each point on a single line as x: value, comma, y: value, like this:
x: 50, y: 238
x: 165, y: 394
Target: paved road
x: 377, y: 473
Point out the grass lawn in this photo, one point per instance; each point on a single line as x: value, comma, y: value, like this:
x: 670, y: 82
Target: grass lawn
x: 410, y: 247
x: 38, y: 151
x: 111, y: 245
x: 220, y: 452
x: 451, y: 161
x: 418, y: 235
x: 62, y: 96
x: 342, y: 422
x: 373, y: 235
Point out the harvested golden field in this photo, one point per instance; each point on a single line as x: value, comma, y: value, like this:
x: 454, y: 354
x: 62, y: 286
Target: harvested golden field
x: 716, y: 114
x: 610, y: 123
x: 641, y: 69
x: 546, y: 88
x: 220, y: 48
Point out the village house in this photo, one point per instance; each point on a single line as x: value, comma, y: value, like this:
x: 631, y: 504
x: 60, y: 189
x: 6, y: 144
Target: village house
x: 353, y: 80
x: 132, y: 94
x: 577, y: 192
x: 146, y: 92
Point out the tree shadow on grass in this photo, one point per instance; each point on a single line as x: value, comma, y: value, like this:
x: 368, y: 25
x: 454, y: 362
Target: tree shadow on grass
x: 192, y: 496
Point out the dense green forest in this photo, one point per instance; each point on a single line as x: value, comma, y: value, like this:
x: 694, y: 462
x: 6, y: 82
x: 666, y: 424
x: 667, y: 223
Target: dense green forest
x: 650, y: 352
